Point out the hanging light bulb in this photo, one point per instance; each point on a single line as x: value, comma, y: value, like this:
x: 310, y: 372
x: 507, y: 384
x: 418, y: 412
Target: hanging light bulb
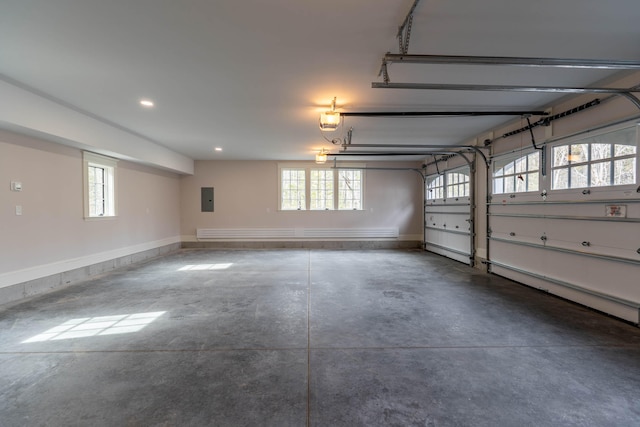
x: 321, y: 157
x: 330, y: 120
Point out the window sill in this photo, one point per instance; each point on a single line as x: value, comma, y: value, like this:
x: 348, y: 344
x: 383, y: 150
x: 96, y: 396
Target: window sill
x: 100, y: 218
x: 321, y: 210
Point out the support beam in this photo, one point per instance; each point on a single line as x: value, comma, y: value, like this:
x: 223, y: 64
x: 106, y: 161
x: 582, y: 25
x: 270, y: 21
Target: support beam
x: 499, y: 88
x: 438, y: 147
x: 602, y: 64
x: 627, y: 93
x: 439, y: 113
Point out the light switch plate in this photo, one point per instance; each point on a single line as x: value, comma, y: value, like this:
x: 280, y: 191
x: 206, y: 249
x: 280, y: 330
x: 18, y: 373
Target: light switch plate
x: 16, y: 186
x: 18, y: 210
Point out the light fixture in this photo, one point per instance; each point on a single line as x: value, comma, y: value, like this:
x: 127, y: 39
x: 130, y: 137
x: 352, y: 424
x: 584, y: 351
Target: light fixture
x: 218, y: 149
x: 321, y: 157
x: 146, y: 103
x: 330, y: 120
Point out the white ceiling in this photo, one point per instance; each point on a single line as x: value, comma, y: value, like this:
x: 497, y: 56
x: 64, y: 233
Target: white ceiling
x: 252, y: 76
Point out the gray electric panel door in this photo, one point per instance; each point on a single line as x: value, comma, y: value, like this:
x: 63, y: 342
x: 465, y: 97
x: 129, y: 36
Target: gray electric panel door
x: 206, y: 198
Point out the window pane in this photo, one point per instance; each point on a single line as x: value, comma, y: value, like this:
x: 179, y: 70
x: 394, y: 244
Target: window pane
x: 509, y: 185
x: 321, y: 189
x: 96, y: 177
x: 498, y: 185
x: 579, y: 176
x: 521, y: 184
x: 625, y: 171
x: 349, y: 189
x: 560, y: 155
x: 560, y: 179
x: 499, y: 166
x: 455, y: 184
x: 624, y: 150
x: 435, y: 187
x: 508, y: 169
x: 600, y: 151
x: 521, y: 165
x: 579, y: 153
x: 293, y: 189
x: 601, y: 174
x: 534, y: 161
x: 533, y: 181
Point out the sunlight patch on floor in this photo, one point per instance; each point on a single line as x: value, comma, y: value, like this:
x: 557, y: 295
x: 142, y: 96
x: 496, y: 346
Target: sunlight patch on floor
x: 94, y: 326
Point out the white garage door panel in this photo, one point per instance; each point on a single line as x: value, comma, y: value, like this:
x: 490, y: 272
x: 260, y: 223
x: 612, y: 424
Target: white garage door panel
x: 623, y: 311
x: 457, y: 242
x: 595, y: 210
x: 521, y: 257
x: 617, y: 279
x: 448, y: 221
x: 621, y: 239
x: 521, y: 229
x: 444, y: 252
x: 436, y: 206
x: 609, y: 286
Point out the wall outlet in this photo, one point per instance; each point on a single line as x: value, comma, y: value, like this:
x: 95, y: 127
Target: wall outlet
x: 18, y: 210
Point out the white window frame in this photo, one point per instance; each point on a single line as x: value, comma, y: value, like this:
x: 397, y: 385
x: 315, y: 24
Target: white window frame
x: 308, y: 167
x: 435, y: 187
x: 110, y: 167
x: 590, y: 162
x: 444, y: 182
x: 527, y: 173
x: 450, y: 185
x: 302, y: 204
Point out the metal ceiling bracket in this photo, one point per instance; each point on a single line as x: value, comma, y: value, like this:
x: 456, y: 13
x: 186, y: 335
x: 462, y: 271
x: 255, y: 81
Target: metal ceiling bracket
x: 404, y: 31
x: 603, y: 64
x: 384, y: 72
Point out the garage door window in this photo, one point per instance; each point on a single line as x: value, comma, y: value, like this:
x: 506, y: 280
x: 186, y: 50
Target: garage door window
x: 435, y: 187
x: 598, y: 161
x: 451, y: 184
x: 517, y: 175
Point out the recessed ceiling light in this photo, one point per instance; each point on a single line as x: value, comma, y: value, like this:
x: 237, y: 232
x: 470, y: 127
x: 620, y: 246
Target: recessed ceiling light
x: 218, y: 149
x: 146, y: 103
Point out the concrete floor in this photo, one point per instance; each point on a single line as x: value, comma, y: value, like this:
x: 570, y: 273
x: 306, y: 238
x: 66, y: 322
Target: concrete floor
x: 313, y: 337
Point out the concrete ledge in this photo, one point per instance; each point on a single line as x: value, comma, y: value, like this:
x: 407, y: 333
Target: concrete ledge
x: 308, y: 244
x: 16, y: 293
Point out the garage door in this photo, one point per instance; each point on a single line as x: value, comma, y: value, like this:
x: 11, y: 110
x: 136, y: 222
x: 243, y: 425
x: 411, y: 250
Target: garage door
x: 448, y: 215
x: 575, y: 230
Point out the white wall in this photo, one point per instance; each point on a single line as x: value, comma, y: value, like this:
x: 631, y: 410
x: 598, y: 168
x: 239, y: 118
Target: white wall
x: 51, y: 235
x: 246, y: 196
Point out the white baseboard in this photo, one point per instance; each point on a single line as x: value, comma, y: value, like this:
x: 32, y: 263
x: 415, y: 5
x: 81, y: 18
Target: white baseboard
x: 401, y: 237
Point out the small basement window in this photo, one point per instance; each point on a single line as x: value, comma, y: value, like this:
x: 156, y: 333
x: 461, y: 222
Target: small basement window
x: 99, y: 173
